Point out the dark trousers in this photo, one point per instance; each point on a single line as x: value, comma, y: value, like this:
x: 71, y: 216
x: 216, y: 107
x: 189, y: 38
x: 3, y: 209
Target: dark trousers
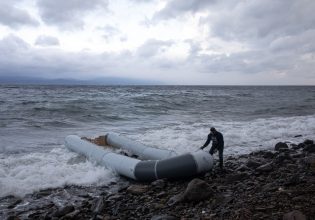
x: 220, y: 149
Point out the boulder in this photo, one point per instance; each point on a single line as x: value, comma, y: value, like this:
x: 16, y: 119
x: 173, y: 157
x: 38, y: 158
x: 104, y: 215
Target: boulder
x: 310, y: 148
x: 268, y: 154
x: 308, y: 141
x: 137, y: 189
x: 265, y: 168
x: 281, y: 145
x: 253, y: 163
x: 197, y: 190
x: 294, y: 215
x: 300, y: 145
x: 283, y: 156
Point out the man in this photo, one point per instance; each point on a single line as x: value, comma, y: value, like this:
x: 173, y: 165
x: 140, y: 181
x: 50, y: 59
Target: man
x: 217, y: 144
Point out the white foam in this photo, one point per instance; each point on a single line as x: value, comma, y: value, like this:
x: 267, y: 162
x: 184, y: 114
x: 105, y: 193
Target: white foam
x: 22, y: 174
x: 240, y: 136
x: 25, y: 173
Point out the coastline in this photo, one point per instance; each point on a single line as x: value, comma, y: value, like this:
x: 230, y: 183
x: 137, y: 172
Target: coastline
x: 260, y: 185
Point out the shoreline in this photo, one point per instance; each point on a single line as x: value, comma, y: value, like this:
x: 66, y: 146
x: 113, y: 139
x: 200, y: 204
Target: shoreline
x: 261, y: 185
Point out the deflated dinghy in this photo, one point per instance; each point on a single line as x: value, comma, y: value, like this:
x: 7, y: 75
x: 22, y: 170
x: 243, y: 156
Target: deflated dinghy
x: 156, y: 163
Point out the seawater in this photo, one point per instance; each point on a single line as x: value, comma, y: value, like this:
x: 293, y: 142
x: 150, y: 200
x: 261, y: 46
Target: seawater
x: 34, y: 121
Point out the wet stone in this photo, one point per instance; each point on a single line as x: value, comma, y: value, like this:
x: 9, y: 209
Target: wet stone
x: 310, y: 148
x: 197, y: 190
x: 63, y: 211
x: 281, y: 145
x: 268, y: 154
x: 16, y: 202
x: 137, y: 189
x: 282, y: 157
x: 308, y: 142
x: 265, y: 168
x: 253, y: 164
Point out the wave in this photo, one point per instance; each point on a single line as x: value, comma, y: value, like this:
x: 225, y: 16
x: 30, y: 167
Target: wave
x: 23, y: 174
x: 240, y: 136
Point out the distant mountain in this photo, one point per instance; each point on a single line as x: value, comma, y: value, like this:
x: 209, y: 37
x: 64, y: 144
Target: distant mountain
x: 70, y: 81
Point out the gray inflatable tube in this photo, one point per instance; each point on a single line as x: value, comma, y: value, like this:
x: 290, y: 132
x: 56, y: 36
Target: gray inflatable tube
x: 157, y: 163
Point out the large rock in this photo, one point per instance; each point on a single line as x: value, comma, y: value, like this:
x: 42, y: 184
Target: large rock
x: 265, y: 168
x: 253, y: 163
x: 196, y: 190
x: 137, y: 189
x: 308, y: 141
x: 294, y: 215
x: 281, y: 145
x: 283, y: 156
x: 268, y: 154
x: 300, y: 145
x: 310, y: 148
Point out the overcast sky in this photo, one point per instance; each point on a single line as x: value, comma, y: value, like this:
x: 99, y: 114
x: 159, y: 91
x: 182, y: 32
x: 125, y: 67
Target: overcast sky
x: 172, y: 41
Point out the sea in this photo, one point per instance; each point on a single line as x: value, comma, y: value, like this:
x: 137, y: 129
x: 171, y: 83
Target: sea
x: 35, y: 119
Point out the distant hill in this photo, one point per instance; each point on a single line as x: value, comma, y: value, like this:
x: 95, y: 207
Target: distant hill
x: 70, y: 81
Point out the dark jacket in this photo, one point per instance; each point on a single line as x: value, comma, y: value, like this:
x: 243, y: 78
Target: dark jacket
x: 217, y: 140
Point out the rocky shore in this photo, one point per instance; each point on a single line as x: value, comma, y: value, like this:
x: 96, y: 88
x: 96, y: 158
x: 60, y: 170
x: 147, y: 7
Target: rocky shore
x: 277, y: 184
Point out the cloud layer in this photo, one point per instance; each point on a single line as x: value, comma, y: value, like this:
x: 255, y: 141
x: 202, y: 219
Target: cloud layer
x: 14, y: 17
x: 187, y: 42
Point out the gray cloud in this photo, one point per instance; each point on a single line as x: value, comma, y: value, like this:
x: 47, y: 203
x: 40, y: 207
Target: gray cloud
x: 152, y: 47
x: 44, y: 40
x: 278, y: 36
x: 14, y: 17
x: 175, y: 8
x: 12, y: 44
x: 24, y: 60
x: 263, y: 20
x: 67, y: 14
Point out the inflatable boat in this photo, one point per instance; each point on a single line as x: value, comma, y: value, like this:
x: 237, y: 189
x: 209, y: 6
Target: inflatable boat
x: 151, y: 164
